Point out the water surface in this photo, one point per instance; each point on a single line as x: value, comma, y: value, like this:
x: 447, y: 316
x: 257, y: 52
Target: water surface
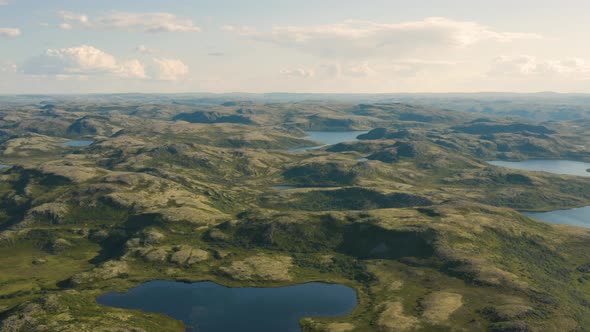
x: 283, y: 187
x: 77, y: 143
x: 576, y: 217
x: 564, y: 167
x: 2, y: 166
x: 329, y: 138
x: 209, y: 307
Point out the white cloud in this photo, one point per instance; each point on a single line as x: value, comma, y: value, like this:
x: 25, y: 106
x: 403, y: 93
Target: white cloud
x: 362, y: 38
x: 412, y: 67
x: 374, y: 71
x: 358, y: 70
x: 332, y: 70
x: 350, y: 69
x: 145, y: 50
x: 531, y: 66
x: 298, y: 72
x: 146, y: 22
x: 170, y: 69
x: 82, y: 61
x: 241, y: 31
x: 132, y: 69
x: 10, y: 32
x: 74, y: 17
x: 9, y: 68
x: 86, y: 61
x: 3, y: 2
x: 65, y: 26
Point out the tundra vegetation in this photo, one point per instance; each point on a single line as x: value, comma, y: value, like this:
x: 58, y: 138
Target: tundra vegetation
x: 182, y: 188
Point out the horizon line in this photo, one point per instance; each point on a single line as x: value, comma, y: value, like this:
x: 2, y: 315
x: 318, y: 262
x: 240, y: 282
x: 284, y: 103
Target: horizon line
x: 294, y: 93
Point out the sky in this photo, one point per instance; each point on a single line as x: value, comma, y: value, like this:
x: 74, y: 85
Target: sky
x: 305, y: 46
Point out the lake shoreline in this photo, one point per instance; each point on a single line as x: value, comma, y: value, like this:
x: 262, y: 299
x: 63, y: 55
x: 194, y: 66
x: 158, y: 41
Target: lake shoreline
x: 215, y: 301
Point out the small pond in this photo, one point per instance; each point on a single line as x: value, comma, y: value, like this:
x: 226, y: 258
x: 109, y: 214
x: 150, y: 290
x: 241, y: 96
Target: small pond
x: 329, y: 138
x: 77, y: 143
x: 564, y: 167
x: 209, y: 307
x: 576, y: 217
x: 283, y: 187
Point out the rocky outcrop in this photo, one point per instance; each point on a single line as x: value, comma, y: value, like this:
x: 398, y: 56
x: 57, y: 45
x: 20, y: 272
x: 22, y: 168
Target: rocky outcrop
x: 57, y: 246
x: 439, y: 306
x: 260, y: 267
x: 393, y: 318
x: 179, y: 255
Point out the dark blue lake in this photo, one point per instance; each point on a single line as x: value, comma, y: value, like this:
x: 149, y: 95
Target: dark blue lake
x: 329, y: 138
x: 209, y: 307
x: 77, y: 143
x: 576, y: 217
x: 565, y: 167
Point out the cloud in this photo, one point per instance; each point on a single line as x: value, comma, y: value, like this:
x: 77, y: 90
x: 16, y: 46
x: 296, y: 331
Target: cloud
x: 145, y: 50
x: 531, y: 66
x: 362, y: 38
x: 3, y: 2
x: 132, y: 69
x: 65, y: 26
x: 298, y: 72
x: 9, y: 68
x: 74, y: 17
x: 10, y: 32
x: 82, y: 61
x: 350, y: 69
x: 170, y: 69
x: 331, y: 70
x: 241, y: 31
x: 359, y: 70
x: 129, y: 21
x: 375, y: 70
x: 85, y: 61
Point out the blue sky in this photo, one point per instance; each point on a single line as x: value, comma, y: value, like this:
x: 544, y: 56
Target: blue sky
x: 372, y: 46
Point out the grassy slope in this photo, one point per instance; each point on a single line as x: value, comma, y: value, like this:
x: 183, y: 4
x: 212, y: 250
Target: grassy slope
x: 493, y: 267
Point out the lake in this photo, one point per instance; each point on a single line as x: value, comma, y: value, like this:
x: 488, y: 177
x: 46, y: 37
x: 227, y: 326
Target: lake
x: 329, y: 138
x: 564, y: 167
x: 576, y: 217
x: 209, y: 307
x: 77, y: 143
